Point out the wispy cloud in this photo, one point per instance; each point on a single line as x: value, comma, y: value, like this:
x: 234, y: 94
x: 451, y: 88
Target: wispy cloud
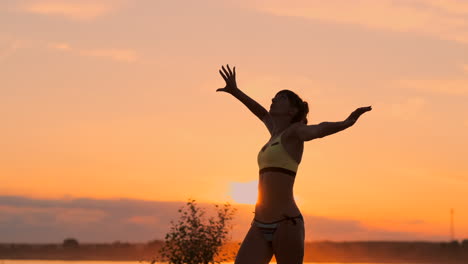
x: 60, y: 46
x: 125, y: 55
x: 144, y: 220
x: 447, y: 87
x: 90, y: 220
x: 442, y: 19
x: 71, y: 9
x: 114, y: 54
x: 409, y: 108
x: 27, y: 220
x: 322, y: 228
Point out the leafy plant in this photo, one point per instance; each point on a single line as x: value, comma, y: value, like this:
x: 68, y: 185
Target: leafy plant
x: 193, y: 240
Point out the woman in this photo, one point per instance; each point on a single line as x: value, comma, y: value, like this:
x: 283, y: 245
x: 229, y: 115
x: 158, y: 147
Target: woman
x: 278, y: 226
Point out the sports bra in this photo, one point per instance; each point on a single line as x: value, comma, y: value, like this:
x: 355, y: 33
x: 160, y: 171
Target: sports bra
x: 274, y: 157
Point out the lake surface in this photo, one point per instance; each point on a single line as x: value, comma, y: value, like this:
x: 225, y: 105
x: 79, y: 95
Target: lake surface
x: 123, y: 262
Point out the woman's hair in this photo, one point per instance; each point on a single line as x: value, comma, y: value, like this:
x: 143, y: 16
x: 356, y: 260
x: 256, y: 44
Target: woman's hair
x: 297, y: 102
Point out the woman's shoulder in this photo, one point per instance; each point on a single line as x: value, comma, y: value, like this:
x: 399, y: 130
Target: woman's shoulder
x: 294, y: 126
x: 290, y: 132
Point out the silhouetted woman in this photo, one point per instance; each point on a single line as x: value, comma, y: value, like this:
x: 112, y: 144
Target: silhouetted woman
x: 278, y: 226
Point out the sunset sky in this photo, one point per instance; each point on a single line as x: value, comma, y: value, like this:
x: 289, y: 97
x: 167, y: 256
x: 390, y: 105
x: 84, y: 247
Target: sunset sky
x: 114, y: 103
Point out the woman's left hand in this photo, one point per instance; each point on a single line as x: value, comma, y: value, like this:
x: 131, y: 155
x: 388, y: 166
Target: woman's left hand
x: 356, y: 114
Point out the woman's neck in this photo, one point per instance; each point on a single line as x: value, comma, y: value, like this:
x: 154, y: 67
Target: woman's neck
x: 281, y: 124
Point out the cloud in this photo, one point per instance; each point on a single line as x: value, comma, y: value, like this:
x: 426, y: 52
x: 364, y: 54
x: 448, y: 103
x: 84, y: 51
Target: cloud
x: 446, y: 87
x: 441, y: 19
x: 60, y: 46
x: 124, y: 55
x: 75, y: 216
x: 40, y: 220
x: 10, y: 46
x: 91, y: 220
x: 410, y: 108
x: 70, y: 9
x: 144, y: 220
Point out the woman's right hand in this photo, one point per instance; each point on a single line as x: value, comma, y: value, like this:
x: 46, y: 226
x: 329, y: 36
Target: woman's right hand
x: 356, y: 114
x: 230, y: 78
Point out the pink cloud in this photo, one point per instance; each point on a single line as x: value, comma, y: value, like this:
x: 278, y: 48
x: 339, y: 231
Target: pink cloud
x: 36, y: 215
x: 449, y: 87
x: 71, y: 9
x: 408, y: 109
x: 124, y: 55
x: 144, y: 220
x: 79, y: 216
x: 60, y: 46
x: 37, y: 220
x: 441, y: 19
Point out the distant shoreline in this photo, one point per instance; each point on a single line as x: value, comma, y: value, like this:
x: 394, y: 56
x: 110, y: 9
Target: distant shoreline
x: 324, y: 251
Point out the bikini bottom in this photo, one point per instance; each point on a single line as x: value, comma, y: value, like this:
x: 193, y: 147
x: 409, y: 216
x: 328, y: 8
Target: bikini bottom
x: 268, y: 229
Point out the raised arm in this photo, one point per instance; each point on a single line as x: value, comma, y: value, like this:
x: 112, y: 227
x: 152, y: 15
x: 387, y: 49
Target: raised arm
x: 308, y: 132
x: 231, y: 88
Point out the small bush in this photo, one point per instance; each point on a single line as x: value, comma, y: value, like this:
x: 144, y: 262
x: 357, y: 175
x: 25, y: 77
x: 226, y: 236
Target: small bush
x: 193, y: 240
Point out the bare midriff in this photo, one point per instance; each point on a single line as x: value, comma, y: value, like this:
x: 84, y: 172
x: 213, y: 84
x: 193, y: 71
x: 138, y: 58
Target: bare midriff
x: 275, y: 197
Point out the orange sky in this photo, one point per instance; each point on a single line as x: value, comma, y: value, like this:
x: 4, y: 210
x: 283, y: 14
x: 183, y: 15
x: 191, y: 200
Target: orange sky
x: 109, y: 99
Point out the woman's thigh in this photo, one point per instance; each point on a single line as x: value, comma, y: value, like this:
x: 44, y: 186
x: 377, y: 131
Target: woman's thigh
x: 288, y: 242
x: 254, y: 249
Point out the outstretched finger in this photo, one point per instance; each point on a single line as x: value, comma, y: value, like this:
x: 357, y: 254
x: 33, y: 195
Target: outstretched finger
x: 234, y: 69
x: 229, y: 69
x: 225, y: 71
x: 224, y: 76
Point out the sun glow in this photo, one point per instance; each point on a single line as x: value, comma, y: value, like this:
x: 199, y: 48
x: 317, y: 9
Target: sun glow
x: 244, y: 192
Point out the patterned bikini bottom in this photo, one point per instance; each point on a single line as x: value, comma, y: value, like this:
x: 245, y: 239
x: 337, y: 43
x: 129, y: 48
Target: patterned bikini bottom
x: 268, y: 229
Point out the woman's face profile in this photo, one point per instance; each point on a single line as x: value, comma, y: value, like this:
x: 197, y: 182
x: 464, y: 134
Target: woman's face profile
x: 280, y: 104
x: 279, y: 101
